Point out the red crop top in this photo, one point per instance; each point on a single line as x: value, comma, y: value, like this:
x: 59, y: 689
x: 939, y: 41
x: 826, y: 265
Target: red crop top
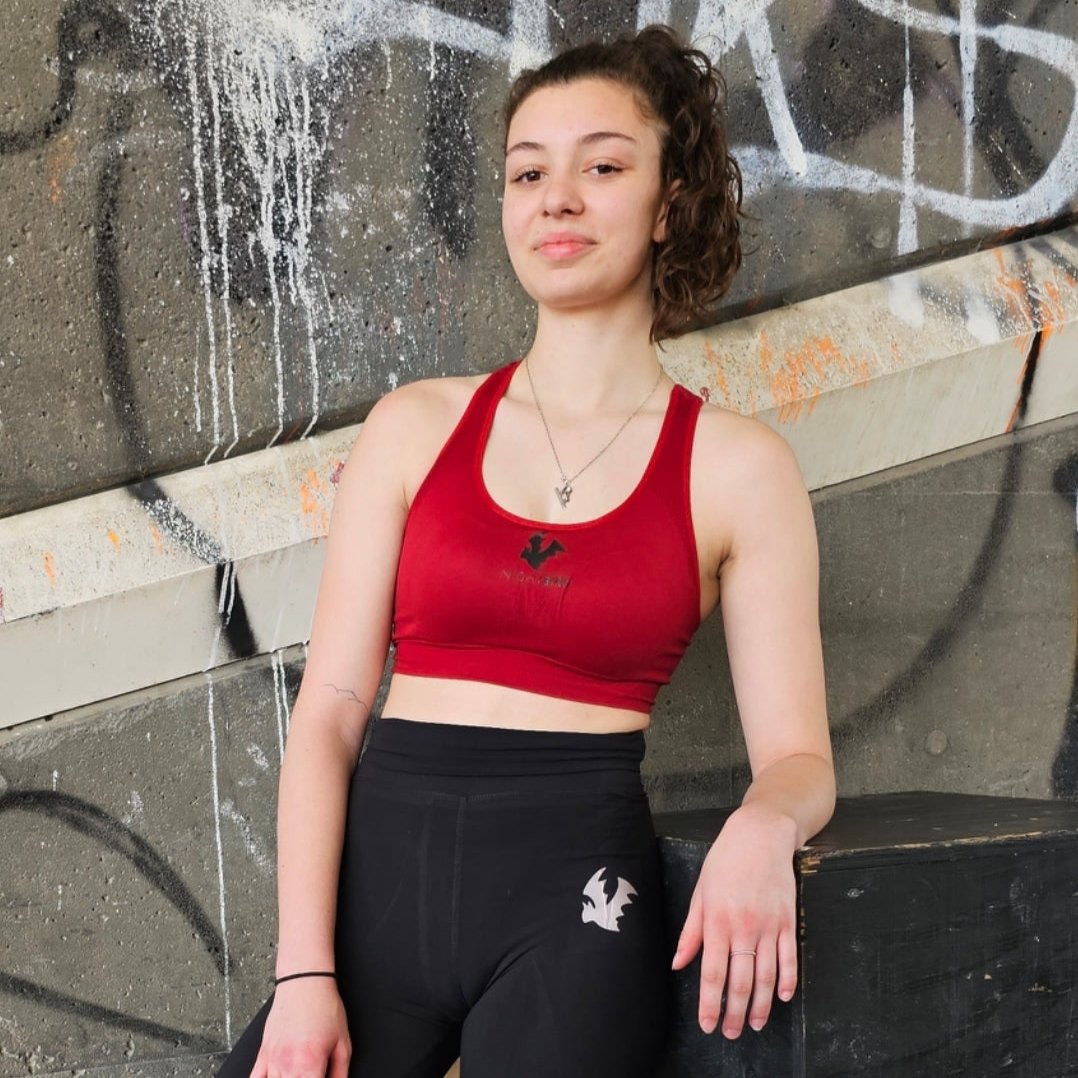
x: 600, y: 611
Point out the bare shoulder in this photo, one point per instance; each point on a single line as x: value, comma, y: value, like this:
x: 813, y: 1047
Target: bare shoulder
x: 735, y: 452
x: 746, y: 483
x: 407, y: 427
x: 427, y: 400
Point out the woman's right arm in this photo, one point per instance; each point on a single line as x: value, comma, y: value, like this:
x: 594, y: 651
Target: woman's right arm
x: 306, y: 1032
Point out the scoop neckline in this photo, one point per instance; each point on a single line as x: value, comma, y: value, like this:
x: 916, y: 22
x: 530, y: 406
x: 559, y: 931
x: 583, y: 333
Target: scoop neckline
x: 484, y: 437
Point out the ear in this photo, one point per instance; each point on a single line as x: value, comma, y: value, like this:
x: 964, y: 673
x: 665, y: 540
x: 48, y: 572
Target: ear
x: 658, y: 233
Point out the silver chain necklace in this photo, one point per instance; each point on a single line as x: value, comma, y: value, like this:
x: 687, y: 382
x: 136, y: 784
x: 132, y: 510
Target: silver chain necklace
x: 565, y: 491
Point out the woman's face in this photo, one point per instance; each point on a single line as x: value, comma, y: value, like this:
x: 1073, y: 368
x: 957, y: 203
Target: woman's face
x: 582, y: 200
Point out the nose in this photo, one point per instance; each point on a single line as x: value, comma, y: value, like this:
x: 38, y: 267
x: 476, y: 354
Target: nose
x: 561, y: 195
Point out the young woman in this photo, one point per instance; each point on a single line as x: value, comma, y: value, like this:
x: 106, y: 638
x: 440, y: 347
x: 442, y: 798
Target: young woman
x: 540, y: 543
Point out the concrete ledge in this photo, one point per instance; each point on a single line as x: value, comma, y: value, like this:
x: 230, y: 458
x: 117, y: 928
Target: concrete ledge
x: 904, y: 367
x: 136, y: 586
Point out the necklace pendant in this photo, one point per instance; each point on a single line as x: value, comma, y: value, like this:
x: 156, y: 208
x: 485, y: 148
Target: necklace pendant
x: 564, y: 493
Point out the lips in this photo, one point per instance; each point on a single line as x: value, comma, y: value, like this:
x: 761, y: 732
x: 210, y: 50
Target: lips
x: 561, y: 244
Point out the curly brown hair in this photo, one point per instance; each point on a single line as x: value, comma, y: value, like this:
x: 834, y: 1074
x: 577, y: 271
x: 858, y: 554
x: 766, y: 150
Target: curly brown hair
x: 683, y: 93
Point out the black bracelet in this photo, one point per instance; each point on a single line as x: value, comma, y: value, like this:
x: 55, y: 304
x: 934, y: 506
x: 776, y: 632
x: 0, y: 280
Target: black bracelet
x: 309, y: 973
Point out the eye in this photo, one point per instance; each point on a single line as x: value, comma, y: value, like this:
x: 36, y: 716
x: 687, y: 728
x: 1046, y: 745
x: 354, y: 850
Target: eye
x: 525, y: 176
x: 607, y: 169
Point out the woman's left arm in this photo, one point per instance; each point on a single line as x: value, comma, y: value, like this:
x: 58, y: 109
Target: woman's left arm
x: 743, y: 909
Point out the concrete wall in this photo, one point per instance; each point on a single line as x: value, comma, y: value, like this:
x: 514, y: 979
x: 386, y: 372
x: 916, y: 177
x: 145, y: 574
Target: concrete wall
x: 230, y: 226
x: 224, y: 228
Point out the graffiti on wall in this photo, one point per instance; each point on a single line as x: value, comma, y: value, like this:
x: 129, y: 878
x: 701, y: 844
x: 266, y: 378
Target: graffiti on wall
x: 262, y: 95
x: 261, y: 91
x: 118, y: 834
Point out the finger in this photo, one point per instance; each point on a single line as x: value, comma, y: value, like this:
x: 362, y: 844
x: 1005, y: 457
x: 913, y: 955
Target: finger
x: 739, y: 980
x: 260, y: 1070
x: 338, y: 1062
x: 787, y: 976
x: 763, y: 982
x: 692, y: 933
x: 713, y: 971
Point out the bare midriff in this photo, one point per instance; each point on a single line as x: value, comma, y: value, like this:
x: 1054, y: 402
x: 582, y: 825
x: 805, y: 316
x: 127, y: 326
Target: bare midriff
x: 479, y: 703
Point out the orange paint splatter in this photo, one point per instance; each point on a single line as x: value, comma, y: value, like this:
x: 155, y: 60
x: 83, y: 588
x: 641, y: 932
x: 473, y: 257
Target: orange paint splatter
x: 317, y: 517
x: 767, y: 353
x: 804, y: 370
x: 59, y: 160
x: 113, y: 538
x: 718, y: 369
x: 50, y: 568
x: 158, y: 542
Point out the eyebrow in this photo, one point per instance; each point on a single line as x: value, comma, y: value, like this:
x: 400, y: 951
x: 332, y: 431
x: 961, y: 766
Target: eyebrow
x: 584, y: 140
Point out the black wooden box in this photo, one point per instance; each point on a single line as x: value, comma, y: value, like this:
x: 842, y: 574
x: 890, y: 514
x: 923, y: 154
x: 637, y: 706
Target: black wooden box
x: 939, y: 936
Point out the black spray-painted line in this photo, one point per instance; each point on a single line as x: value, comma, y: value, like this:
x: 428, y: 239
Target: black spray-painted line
x: 1029, y: 370
x: 236, y: 625
x: 87, y: 819
x: 938, y: 646
x: 1046, y: 247
x: 61, y: 1001
x: 73, y: 47
x: 1065, y: 762
x: 1014, y: 161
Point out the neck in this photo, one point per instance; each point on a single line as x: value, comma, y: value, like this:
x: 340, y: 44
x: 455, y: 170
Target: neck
x: 589, y: 361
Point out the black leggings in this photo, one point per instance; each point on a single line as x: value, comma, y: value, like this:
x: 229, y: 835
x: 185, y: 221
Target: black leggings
x: 500, y: 900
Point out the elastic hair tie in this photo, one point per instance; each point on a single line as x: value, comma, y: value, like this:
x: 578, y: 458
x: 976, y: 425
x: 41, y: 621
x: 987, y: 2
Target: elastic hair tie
x: 309, y: 973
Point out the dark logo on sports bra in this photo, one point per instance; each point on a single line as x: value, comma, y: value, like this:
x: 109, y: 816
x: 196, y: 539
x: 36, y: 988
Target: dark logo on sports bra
x: 535, y: 553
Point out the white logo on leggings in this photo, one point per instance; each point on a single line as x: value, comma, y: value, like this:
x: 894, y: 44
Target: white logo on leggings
x: 598, y: 909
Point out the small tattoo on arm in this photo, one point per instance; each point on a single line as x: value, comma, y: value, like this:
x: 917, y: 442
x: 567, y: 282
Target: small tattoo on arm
x: 348, y: 693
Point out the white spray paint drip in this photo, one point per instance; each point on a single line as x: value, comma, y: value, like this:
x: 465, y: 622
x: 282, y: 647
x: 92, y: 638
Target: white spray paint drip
x: 254, y: 64
x: 303, y: 157
x: 254, y: 848
x: 223, y: 212
x: 981, y: 322
x: 203, y: 232
x: 907, y: 218
x: 904, y: 299
x: 55, y: 780
x: 967, y: 51
x: 280, y: 700
x: 766, y: 63
x: 220, y: 860
x: 59, y: 897
x: 196, y: 392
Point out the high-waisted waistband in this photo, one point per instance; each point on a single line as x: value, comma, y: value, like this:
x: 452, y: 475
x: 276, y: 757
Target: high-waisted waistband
x: 438, y: 748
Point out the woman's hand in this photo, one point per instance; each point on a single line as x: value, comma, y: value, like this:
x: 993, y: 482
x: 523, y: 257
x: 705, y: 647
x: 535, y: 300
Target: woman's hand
x: 306, y: 1034
x: 744, y: 901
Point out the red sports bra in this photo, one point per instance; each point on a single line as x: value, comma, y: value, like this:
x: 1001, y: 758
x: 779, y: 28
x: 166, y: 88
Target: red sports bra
x: 600, y: 611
